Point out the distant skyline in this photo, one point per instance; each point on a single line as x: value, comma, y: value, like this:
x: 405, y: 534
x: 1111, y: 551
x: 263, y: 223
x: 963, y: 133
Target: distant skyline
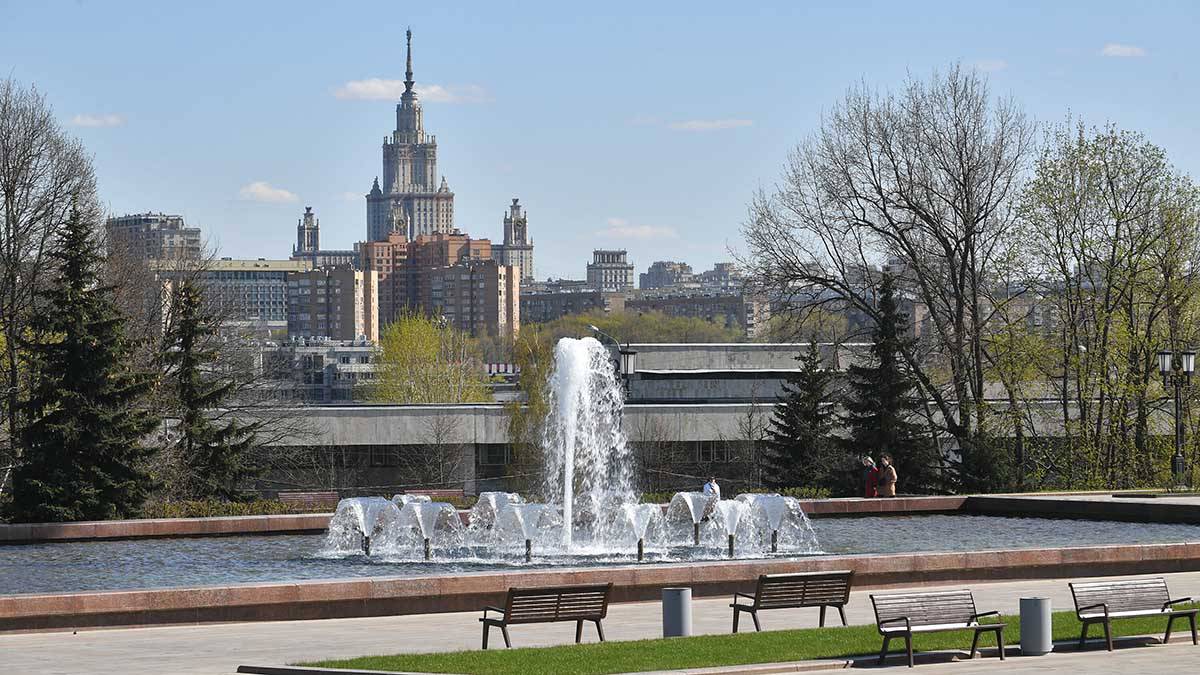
x: 618, y: 126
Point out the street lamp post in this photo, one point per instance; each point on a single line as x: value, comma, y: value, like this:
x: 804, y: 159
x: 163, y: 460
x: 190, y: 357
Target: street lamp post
x: 622, y: 359
x: 1177, y: 373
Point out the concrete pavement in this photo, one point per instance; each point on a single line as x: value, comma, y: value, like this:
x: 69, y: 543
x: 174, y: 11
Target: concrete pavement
x: 218, y: 649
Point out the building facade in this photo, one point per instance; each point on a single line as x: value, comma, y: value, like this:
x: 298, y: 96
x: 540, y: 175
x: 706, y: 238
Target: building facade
x: 319, y: 370
x: 517, y: 249
x: 547, y: 305
x: 411, y: 193
x: 153, y: 236
x: 667, y: 274
x: 480, y: 297
x: 610, y: 271
x: 250, y: 292
x: 339, y: 303
x: 750, y: 313
x: 308, y: 244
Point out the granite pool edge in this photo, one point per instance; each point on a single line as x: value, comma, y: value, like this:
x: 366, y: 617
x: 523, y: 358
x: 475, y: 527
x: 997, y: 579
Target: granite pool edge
x: 342, y: 598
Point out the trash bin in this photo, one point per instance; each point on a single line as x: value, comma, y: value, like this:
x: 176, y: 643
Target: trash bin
x: 1036, y: 638
x: 677, y: 612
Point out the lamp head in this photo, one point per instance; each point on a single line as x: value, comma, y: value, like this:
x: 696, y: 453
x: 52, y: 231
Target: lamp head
x: 1164, y: 362
x: 593, y: 328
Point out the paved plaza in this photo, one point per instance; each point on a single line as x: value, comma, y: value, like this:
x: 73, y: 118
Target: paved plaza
x: 218, y: 649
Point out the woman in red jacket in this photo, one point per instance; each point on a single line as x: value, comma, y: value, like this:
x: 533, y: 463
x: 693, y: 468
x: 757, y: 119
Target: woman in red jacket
x: 871, y: 474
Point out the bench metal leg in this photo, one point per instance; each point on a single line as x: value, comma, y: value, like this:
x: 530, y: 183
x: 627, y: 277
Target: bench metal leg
x: 883, y: 652
x: 1108, y: 635
x: 822, y: 616
x: 578, y: 631
x: 842, y: 611
x: 600, y: 630
x: 908, y: 646
x: 1167, y: 636
x: 974, y: 644
x: 1083, y: 634
x: 485, y: 635
x: 1000, y: 642
x: 1192, y: 621
x: 504, y: 631
x: 736, y: 614
x: 754, y: 615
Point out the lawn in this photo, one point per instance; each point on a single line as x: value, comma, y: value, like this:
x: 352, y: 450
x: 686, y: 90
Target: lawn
x: 716, y: 650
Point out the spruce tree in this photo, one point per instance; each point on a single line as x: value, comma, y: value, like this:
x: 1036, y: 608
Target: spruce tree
x: 214, y: 455
x: 798, y: 448
x: 882, y: 407
x: 85, y: 416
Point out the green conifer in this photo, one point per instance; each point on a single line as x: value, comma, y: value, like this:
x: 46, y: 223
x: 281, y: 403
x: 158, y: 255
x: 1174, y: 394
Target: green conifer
x: 799, y: 451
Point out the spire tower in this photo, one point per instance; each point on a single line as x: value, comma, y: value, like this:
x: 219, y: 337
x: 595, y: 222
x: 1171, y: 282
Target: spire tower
x: 408, y: 76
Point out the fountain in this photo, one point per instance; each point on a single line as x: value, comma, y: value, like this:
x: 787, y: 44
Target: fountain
x: 356, y: 521
x: 587, y: 459
x: 524, y: 519
x: 401, y: 499
x: 640, y: 516
x: 694, y: 505
x: 730, y: 512
x: 426, y: 518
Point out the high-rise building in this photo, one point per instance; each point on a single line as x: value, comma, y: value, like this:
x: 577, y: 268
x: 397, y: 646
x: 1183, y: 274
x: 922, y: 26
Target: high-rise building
x: 308, y: 244
x: 410, y: 178
x: 517, y: 249
x: 340, y: 303
x: 388, y: 260
x: 610, y: 271
x: 666, y: 274
x: 153, y: 236
x: 481, y: 297
x: 247, y: 292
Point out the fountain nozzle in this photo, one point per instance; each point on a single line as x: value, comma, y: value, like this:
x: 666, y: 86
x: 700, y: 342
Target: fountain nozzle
x: 428, y: 550
x: 731, y: 546
x: 528, y: 550
x: 774, y: 541
x: 366, y: 545
x: 641, y: 549
x: 696, y: 533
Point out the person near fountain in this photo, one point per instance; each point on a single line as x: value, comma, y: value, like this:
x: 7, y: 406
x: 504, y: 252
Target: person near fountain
x: 887, y: 476
x: 870, y: 477
x: 712, y: 489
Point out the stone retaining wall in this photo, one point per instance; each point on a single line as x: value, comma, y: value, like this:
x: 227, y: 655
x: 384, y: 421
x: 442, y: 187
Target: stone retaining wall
x: 468, y: 592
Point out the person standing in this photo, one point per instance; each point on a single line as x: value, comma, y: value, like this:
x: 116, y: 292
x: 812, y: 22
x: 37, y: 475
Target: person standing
x: 887, y: 476
x: 870, y: 477
x: 712, y: 490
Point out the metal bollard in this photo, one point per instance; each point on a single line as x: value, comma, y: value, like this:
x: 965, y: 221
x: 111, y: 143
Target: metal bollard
x: 677, y: 612
x: 1036, y: 637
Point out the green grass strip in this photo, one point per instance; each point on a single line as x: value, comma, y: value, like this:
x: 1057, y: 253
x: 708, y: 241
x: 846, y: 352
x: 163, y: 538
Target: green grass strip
x: 717, y: 650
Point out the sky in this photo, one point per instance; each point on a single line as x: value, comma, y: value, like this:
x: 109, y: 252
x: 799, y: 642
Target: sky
x: 645, y: 126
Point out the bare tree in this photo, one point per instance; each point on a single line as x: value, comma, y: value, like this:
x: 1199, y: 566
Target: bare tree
x: 43, y: 174
x: 441, y: 458
x: 923, y: 180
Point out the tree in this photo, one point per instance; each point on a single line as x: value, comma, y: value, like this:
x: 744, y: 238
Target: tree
x: 882, y: 406
x: 924, y: 180
x: 799, y: 451
x: 215, y: 455
x: 84, y: 417
x: 423, y: 360
x: 44, y: 173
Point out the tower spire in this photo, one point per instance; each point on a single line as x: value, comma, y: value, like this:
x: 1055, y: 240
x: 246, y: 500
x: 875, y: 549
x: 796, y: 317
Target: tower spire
x: 408, y: 74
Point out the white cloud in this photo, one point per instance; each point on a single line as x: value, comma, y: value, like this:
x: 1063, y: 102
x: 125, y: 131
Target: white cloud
x: 990, y: 65
x: 708, y: 125
x: 377, y: 89
x: 623, y: 229
x: 85, y: 120
x: 352, y: 196
x: 262, y: 191
x: 1122, y: 51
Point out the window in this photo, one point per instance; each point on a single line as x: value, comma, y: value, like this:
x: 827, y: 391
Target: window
x: 494, y: 454
x: 713, y: 452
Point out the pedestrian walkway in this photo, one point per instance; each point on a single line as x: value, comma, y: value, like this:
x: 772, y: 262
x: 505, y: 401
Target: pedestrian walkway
x: 218, y: 649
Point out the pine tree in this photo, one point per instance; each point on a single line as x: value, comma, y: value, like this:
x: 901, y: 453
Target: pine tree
x: 82, y: 453
x: 881, y: 406
x: 214, y: 455
x: 799, y: 451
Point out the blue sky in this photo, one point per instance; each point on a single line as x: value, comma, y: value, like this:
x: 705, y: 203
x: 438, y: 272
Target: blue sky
x: 637, y: 125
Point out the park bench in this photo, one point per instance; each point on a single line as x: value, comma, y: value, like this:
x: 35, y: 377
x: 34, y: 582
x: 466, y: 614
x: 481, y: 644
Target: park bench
x: 905, y: 614
x: 310, y: 500
x: 1103, y: 601
x: 783, y: 591
x: 437, y: 495
x: 548, y: 605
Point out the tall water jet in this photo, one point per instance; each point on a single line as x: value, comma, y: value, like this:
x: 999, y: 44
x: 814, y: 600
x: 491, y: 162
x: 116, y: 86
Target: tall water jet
x: 730, y: 512
x: 639, y: 517
x: 587, y: 458
x: 693, y: 505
